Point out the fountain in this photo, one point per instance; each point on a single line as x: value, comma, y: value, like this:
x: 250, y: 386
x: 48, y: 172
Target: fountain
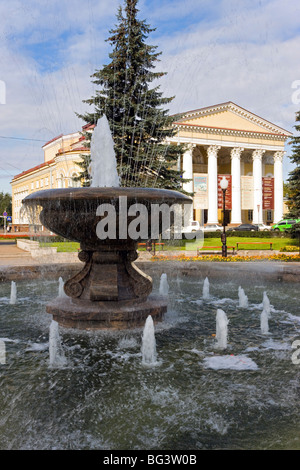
x: 191, y: 396
x: 206, y: 289
x: 56, y: 354
x: 13, y: 293
x: 61, y: 292
x: 110, y: 291
x: 243, y: 299
x: 149, y: 356
x: 221, y: 329
x: 164, y: 286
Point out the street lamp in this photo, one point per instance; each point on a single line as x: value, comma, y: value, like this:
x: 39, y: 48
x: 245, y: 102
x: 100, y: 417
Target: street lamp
x: 224, y: 186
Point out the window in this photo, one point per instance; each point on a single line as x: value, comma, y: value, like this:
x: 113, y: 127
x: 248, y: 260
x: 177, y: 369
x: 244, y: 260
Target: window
x: 250, y: 214
x: 269, y: 216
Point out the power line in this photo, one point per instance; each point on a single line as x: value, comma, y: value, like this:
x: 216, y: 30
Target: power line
x: 20, y: 138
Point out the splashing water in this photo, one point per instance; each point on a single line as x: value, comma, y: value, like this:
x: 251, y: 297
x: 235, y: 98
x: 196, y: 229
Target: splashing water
x: 149, y: 356
x: 243, y: 299
x: 206, y: 289
x: 221, y: 329
x: 266, y: 303
x: 264, y: 322
x: 163, y: 286
x: 61, y: 292
x: 103, y: 167
x: 57, y: 356
x: 13, y: 293
x: 265, y: 315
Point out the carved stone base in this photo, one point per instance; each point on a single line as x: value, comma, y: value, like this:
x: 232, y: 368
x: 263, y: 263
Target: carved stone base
x: 91, y: 315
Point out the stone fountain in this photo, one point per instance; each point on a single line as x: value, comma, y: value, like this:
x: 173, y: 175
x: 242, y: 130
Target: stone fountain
x: 109, y: 291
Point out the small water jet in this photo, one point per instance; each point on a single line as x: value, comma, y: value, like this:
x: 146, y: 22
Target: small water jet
x: 61, y: 292
x: 266, y: 303
x: 264, y: 322
x: 205, y: 293
x: 13, y: 293
x: 148, y: 349
x: 243, y: 299
x: 221, y: 329
x: 57, y: 356
x: 164, y: 285
x: 265, y: 315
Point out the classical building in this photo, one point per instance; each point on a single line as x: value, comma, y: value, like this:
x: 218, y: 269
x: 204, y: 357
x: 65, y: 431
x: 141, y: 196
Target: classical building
x: 222, y: 140
x: 227, y: 140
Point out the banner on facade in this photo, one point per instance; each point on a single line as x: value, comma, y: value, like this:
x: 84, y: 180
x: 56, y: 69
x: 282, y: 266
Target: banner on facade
x: 200, y: 191
x: 247, y: 192
x: 228, y: 194
x: 268, y: 193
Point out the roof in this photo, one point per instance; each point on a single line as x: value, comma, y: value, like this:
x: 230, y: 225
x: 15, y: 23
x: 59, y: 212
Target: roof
x: 35, y: 168
x: 230, y: 105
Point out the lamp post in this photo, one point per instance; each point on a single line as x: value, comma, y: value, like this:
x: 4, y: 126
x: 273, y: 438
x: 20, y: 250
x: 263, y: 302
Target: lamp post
x: 224, y: 186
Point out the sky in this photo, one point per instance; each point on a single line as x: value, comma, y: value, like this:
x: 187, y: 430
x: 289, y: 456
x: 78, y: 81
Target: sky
x: 245, y: 51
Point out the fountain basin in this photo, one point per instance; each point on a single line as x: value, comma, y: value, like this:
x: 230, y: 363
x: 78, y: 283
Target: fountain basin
x: 109, y: 291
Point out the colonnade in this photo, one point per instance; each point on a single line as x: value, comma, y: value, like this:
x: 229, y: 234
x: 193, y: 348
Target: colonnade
x: 212, y: 176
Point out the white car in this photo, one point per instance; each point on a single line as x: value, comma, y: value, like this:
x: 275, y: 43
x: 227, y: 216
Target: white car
x: 264, y: 227
x: 193, y: 227
x: 213, y: 228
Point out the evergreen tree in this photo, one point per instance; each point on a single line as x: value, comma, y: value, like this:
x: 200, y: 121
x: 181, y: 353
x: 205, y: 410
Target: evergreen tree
x: 294, y: 176
x: 139, y: 122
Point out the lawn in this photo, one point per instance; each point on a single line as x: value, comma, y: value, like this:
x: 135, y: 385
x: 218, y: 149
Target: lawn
x: 192, y: 245
x: 245, y: 243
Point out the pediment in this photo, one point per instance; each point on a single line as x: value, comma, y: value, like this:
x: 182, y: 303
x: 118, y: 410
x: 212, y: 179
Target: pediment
x: 230, y: 116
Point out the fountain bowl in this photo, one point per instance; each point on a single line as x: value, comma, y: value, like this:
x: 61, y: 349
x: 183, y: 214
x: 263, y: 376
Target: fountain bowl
x: 109, y: 291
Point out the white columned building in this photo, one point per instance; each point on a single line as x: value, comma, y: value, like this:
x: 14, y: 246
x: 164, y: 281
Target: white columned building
x: 187, y: 167
x: 236, y: 214
x: 278, y: 186
x: 257, y: 186
x: 223, y: 140
x: 212, y: 171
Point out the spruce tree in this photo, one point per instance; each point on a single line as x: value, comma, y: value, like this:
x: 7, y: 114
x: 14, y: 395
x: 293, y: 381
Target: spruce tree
x: 294, y: 176
x: 136, y: 111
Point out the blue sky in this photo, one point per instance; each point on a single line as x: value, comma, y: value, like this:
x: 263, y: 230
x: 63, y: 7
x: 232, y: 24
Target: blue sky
x: 214, y: 51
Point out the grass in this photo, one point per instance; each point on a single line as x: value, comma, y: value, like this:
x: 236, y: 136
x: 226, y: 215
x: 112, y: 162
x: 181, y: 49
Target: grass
x: 278, y: 243
x: 63, y: 247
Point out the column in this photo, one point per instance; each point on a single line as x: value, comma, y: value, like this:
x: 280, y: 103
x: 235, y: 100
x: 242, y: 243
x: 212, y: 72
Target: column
x: 212, y: 171
x: 278, y: 186
x: 187, y: 167
x: 257, y: 185
x: 236, y: 214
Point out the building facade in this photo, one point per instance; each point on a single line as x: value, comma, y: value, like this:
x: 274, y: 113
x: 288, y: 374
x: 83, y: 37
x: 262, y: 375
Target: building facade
x: 61, y: 156
x: 227, y: 140
x: 222, y: 140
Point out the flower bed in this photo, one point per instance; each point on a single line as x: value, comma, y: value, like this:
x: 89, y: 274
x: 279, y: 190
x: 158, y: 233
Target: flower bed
x: 228, y: 259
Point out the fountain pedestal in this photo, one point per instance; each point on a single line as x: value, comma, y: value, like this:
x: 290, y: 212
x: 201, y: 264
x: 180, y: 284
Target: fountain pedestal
x: 109, y: 292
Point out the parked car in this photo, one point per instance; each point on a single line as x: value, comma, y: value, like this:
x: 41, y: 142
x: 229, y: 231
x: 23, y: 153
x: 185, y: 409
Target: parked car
x: 264, y: 228
x: 213, y: 228
x: 244, y: 228
x: 193, y: 227
x: 284, y: 225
